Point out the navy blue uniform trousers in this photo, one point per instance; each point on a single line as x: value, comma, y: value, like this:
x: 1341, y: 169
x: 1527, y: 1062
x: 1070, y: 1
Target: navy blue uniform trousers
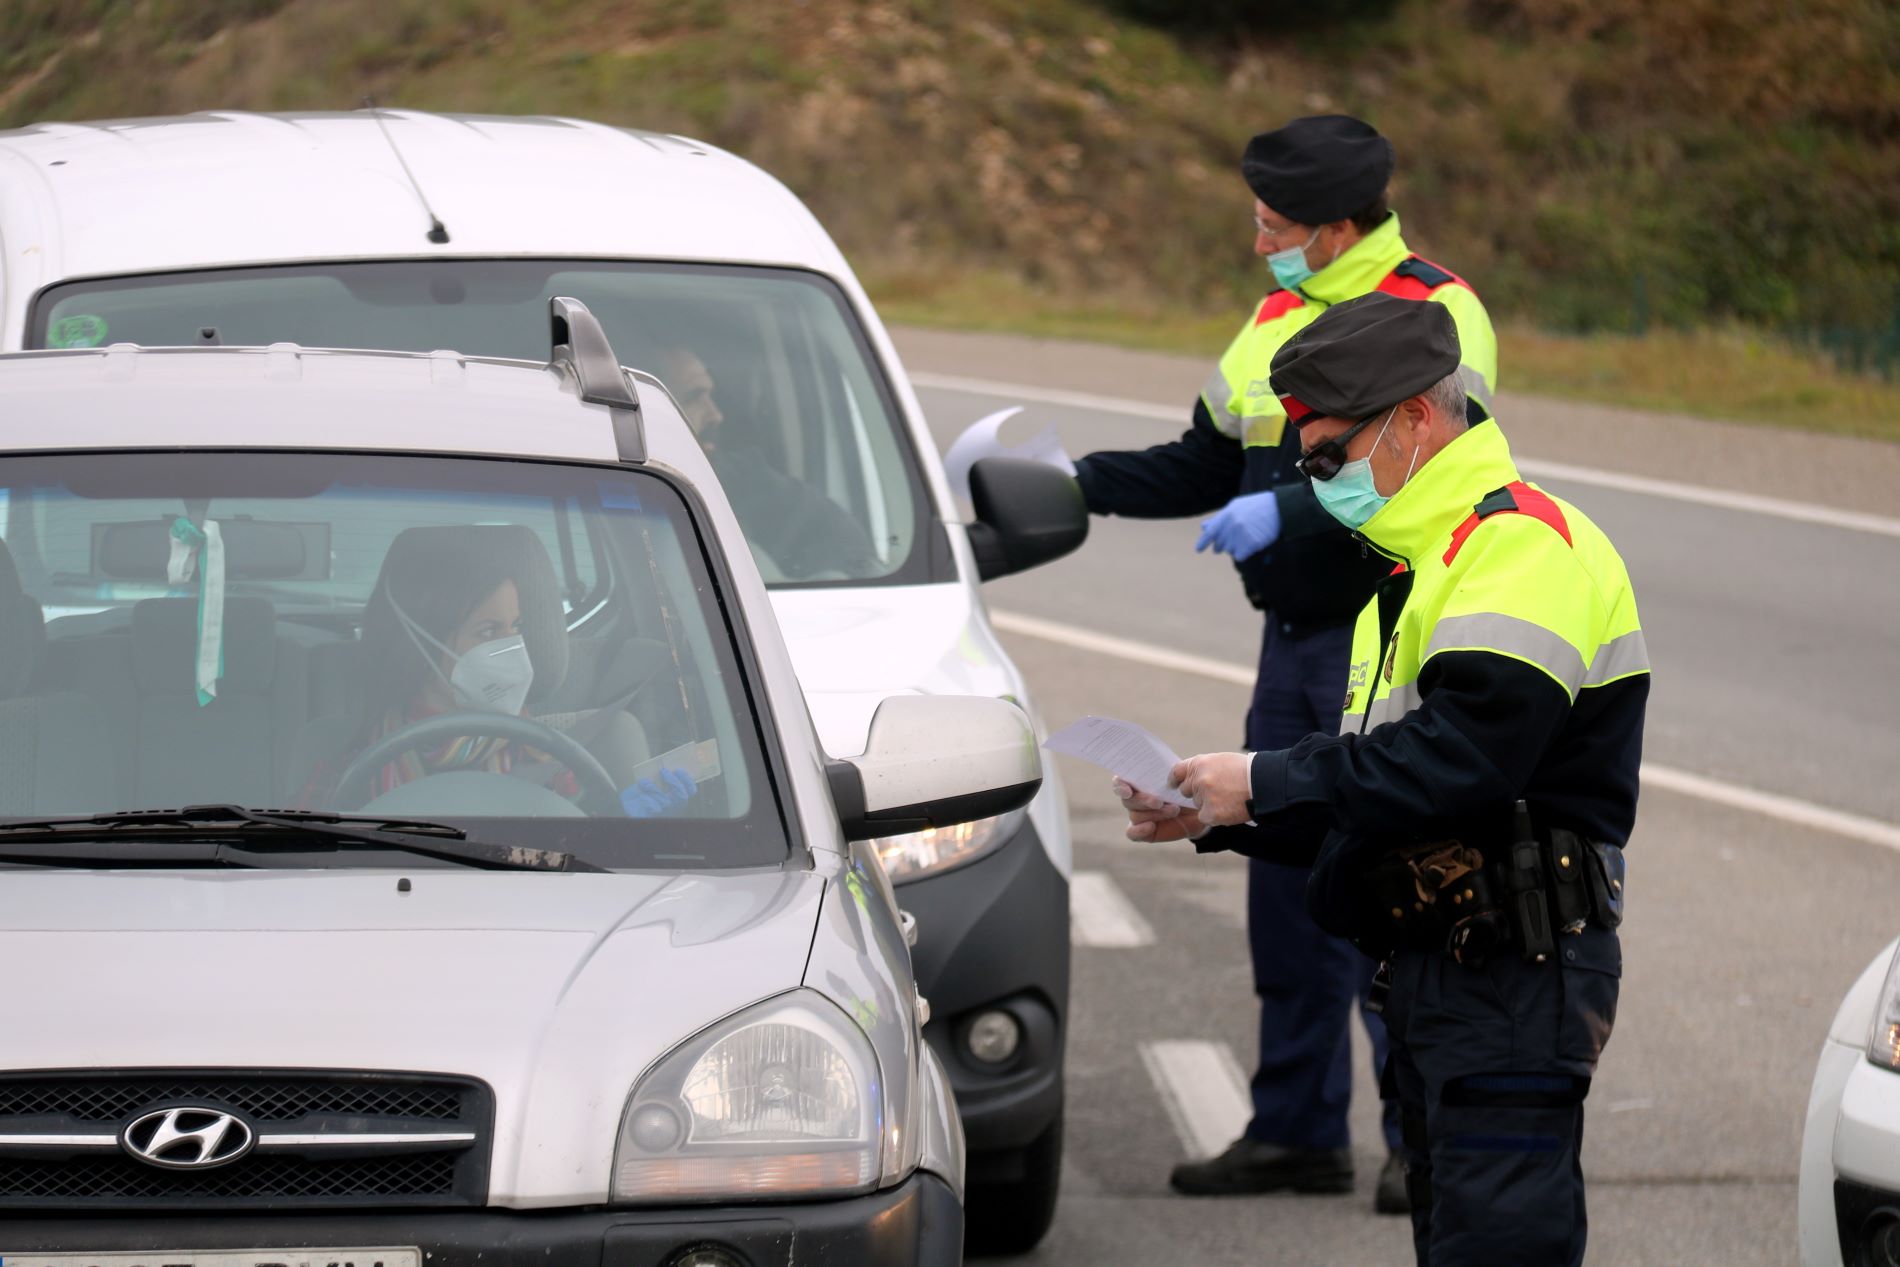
x: 1308, y: 981
x: 1492, y: 1065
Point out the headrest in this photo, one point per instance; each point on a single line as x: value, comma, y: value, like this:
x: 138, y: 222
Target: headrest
x: 165, y: 645
x: 22, y: 631
x: 519, y: 554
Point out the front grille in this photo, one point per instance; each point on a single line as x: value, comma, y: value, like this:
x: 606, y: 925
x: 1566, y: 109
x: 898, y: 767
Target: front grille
x: 97, y: 1104
x: 118, y: 1178
x: 94, y: 1099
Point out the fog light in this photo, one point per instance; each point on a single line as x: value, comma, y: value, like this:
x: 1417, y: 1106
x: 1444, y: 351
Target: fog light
x: 707, y: 1256
x: 994, y: 1037
x: 1882, y: 1238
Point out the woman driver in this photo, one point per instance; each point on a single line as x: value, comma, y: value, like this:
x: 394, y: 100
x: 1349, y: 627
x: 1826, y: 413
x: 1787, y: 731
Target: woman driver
x: 441, y: 635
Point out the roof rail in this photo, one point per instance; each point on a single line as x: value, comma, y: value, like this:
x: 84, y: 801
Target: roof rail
x: 581, y: 345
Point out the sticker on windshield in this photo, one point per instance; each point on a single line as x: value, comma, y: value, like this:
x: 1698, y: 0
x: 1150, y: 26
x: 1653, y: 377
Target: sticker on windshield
x: 82, y: 330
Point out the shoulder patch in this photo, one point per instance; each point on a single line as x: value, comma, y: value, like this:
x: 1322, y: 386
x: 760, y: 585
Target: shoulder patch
x: 1515, y: 498
x: 1278, y: 304
x: 1415, y: 278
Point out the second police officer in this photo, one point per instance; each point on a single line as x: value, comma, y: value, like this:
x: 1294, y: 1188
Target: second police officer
x: 1323, y: 226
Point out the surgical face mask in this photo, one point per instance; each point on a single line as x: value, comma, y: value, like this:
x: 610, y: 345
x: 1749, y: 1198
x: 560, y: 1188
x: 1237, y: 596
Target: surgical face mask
x: 1351, y: 496
x: 1289, y: 267
x: 490, y: 677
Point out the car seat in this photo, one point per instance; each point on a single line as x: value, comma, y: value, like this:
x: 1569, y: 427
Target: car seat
x: 52, y: 742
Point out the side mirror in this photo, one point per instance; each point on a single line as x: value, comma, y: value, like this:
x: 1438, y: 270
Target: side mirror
x: 1027, y: 514
x: 935, y: 761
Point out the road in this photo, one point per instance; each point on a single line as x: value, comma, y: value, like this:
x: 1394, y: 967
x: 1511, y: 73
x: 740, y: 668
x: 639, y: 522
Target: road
x: 1773, y: 647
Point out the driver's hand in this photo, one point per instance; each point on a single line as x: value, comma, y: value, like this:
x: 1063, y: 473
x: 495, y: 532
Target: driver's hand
x: 650, y: 798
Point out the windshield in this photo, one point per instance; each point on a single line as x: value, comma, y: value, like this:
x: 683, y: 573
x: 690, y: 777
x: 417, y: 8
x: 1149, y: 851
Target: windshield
x: 531, y: 652
x: 769, y: 366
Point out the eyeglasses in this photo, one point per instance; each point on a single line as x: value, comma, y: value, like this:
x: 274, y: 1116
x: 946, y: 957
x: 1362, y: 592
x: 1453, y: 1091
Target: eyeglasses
x: 1269, y: 230
x: 1328, y: 457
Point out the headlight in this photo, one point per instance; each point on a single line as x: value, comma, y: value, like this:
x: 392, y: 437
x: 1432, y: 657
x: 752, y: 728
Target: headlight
x: 921, y: 853
x: 782, y: 1098
x: 1883, y: 1044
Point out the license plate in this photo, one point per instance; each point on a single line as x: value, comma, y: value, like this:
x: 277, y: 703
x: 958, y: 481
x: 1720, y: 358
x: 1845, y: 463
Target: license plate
x: 386, y: 1257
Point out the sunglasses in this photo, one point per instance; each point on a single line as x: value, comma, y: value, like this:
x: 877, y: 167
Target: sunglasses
x: 1329, y: 458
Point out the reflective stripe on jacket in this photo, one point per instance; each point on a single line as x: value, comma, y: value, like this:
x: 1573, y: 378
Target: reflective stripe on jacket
x: 1502, y: 658
x: 1315, y: 575
x: 1237, y: 396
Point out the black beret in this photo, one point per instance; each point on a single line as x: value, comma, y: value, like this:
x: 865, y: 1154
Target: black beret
x: 1362, y: 356
x: 1320, y: 169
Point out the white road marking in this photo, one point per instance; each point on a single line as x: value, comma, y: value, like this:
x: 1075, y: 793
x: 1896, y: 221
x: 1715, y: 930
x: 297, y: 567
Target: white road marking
x: 1121, y: 648
x: 1537, y: 468
x: 1100, y: 914
x: 1204, y: 1091
x: 1769, y: 805
x: 1051, y: 396
x: 1786, y: 809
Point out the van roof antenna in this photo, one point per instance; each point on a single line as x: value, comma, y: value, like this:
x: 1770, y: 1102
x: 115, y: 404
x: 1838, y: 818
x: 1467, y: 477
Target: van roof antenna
x: 438, y: 233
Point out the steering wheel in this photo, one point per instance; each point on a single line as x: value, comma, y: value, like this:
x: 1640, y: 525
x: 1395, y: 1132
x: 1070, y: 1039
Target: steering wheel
x: 598, y: 794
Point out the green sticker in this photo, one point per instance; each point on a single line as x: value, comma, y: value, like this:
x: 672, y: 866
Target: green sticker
x: 81, y: 331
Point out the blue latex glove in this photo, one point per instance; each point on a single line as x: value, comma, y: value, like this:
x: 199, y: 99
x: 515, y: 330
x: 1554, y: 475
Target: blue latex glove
x: 650, y: 798
x: 1243, y: 527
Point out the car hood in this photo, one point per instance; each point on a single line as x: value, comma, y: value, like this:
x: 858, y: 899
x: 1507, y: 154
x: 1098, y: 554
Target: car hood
x: 853, y: 648
x: 557, y: 990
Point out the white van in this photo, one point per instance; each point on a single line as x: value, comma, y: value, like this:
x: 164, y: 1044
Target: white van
x: 507, y: 910
x: 412, y: 231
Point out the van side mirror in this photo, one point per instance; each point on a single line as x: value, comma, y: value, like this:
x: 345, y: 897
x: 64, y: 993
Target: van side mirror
x: 935, y: 761
x: 1027, y: 514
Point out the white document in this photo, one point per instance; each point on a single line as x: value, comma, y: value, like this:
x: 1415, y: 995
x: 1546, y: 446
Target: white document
x: 1123, y: 749
x: 983, y: 439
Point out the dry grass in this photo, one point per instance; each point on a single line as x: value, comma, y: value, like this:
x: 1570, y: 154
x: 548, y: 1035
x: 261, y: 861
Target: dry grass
x: 1717, y: 374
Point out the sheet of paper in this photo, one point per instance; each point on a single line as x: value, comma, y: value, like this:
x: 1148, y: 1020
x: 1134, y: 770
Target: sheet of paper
x: 1123, y: 749
x: 983, y: 439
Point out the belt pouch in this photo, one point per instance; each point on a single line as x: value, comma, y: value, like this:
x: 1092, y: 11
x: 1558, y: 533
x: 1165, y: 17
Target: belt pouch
x: 1605, y: 872
x: 1570, y: 859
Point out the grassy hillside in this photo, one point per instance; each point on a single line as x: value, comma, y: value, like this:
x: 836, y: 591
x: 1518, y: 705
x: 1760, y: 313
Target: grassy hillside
x: 1602, y: 168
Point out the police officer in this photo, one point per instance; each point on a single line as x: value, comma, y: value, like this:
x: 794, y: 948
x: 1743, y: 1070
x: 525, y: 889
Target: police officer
x: 1322, y: 223
x: 1467, y: 823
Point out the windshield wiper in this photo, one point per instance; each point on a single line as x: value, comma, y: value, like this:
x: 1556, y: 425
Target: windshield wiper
x: 340, y: 831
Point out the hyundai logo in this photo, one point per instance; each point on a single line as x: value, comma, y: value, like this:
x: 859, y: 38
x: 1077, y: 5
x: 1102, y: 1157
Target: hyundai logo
x: 187, y: 1138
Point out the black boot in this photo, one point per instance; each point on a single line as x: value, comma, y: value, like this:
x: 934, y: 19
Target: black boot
x: 1251, y: 1167
x: 1392, y: 1196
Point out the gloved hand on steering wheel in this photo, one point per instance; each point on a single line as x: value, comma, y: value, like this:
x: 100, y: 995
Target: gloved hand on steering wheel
x: 650, y: 798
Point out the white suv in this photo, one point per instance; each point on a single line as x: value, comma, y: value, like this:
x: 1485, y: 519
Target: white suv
x: 415, y: 231
x: 505, y: 908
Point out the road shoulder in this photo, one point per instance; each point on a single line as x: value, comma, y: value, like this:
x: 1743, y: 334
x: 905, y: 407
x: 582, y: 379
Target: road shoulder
x: 1843, y: 472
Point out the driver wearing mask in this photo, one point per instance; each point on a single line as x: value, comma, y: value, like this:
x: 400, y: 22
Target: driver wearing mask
x: 445, y: 638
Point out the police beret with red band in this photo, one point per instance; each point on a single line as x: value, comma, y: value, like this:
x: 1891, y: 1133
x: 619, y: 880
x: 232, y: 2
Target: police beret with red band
x: 1320, y: 169
x: 1362, y: 356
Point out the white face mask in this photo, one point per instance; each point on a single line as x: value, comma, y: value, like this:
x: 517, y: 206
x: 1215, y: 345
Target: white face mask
x: 490, y: 677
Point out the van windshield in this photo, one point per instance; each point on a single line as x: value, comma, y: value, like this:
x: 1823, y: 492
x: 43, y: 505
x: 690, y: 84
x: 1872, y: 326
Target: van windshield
x: 529, y: 652
x: 769, y: 366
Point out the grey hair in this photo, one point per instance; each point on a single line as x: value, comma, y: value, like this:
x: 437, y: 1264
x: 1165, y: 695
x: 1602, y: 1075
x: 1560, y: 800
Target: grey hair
x: 1447, y: 397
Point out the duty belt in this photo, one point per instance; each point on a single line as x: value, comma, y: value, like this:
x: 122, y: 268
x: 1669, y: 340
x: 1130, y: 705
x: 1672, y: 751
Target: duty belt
x: 1451, y: 896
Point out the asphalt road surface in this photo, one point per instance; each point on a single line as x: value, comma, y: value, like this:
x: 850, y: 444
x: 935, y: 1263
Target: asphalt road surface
x: 1764, y: 868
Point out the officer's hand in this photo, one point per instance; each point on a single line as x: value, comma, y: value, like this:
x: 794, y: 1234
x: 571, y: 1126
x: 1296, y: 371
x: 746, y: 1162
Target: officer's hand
x: 1151, y: 818
x: 1219, y: 783
x: 1243, y: 527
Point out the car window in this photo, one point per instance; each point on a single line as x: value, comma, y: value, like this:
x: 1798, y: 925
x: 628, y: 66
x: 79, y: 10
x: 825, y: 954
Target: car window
x: 532, y: 651
x: 769, y: 366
